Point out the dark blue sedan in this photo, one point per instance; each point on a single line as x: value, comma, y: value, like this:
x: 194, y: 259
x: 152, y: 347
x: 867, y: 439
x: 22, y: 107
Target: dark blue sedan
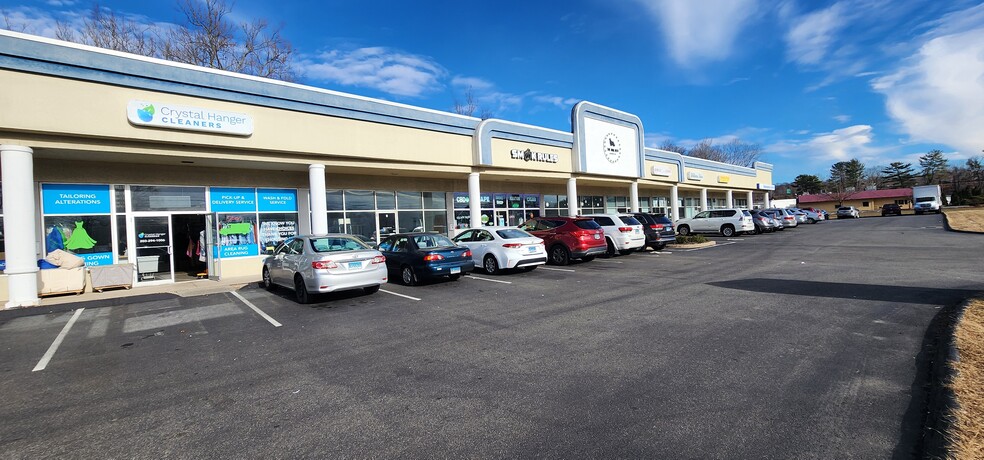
x: 420, y: 256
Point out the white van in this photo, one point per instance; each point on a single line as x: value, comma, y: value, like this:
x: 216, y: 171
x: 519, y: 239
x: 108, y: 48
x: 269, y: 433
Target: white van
x: 727, y: 222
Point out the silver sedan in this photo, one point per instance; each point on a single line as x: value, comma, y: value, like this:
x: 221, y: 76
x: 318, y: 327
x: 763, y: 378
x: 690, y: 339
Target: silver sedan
x: 312, y: 264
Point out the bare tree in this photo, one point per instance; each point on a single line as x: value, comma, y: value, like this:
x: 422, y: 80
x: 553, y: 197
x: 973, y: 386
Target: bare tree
x: 104, y: 28
x: 669, y: 146
x: 470, y: 105
x: 738, y: 152
x: 707, y: 150
x: 10, y: 24
x: 211, y: 40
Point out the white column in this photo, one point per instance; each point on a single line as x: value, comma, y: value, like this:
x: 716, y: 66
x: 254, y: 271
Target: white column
x: 766, y: 202
x: 572, y: 196
x: 17, y: 163
x: 634, y: 196
x: 703, y: 199
x: 474, y: 200
x: 674, y: 203
x: 319, y: 200
x: 729, y: 199
x: 751, y: 200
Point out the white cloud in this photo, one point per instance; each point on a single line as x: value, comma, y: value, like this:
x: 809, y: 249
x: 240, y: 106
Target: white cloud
x: 380, y: 68
x: 937, y: 95
x: 700, y: 31
x: 475, y: 83
x: 557, y: 101
x: 830, y: 147
x: 842, y: 118
x: 810, y: 36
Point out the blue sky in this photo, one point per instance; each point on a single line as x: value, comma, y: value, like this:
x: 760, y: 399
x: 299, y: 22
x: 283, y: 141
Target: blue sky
x: 813, y: 82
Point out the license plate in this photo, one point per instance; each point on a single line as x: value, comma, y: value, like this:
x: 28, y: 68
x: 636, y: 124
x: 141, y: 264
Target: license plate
x: 455, y: 270
x: 597, y: 236
x: 532, y: 249
x: 638, y: 231
x: 355, y: 265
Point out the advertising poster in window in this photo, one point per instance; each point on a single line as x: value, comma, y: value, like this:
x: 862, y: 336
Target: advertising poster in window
x: 88, y: 236
x: 275, y: 228
x: 237, y: 235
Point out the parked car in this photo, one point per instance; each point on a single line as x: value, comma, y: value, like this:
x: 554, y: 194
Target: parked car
x: 658, y: 229
x: 425, y: 255
x: 313, y: 264
x: 502, y: 248
x: 568, y: 238
x: 727, y: 222
x: 622, y: 232
x: 787, y: 217
x: 811, y: 217
x: 891, y: 209
x: 845, y: 212
x: 819, y: 212
x: 764, y: 223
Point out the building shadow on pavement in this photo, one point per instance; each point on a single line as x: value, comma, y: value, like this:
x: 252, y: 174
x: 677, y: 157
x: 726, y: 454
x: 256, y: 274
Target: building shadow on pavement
x: 859, y: 291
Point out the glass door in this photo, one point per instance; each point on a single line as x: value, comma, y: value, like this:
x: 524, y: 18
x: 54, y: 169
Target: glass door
x: 153, y: 243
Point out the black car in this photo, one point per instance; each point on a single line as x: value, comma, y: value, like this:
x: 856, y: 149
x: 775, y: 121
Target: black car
x: 658, y: 228
x: 424, y: 255
x: 890, y: 209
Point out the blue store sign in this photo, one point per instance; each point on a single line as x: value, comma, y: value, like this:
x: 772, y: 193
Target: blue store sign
x: 97, y: 258
x: 75, y: 199
x: 232, y: 199
x: 277, y: 200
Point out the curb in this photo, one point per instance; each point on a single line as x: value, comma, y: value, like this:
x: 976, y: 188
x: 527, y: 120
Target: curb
x: 691, y: 245
x: 941, y: 401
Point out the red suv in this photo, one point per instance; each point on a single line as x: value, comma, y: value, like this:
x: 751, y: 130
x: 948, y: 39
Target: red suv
x: 568, y: 238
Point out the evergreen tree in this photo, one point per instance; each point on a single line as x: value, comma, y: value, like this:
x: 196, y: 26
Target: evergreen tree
x: 807, y: 183
x: 847, y: 174
x: 898, y: 175
x: 933, y: 165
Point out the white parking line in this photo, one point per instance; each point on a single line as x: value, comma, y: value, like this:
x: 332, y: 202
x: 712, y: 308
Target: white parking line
x: 556, y: 269
x: 58, y: 340
x: 398, y: 294
x: 736, y: 239
x: 608, y: 261
x: 488, y: 279
x: 257, y: 310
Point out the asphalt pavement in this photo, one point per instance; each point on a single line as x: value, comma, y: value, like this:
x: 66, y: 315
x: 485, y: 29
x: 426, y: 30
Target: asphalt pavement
x: 808, y: 343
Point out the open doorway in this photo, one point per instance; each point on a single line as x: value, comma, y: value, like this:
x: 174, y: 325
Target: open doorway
x: 189, y: 246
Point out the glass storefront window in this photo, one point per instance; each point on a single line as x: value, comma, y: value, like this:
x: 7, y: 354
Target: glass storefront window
x: 359, y: 200
x: 515, y: 201
x: 120, y: 191
x: 275, y: 228
x: 237, y: 235
x: 336, y: 222
x: 486, y: 200
x: 462, y: 219
x: 461, y: 200
x: 436, y: 221
x: 89, y: 237
x: 499, y: 200
x: 361, y: 223
x: 410, y: 221
x: 156, y: 198
x: 531, y: 201
x: 408, y: 200
x: 435, y: 200
x: 121, y: 254
x: 334, y: 200
x: 385, y: 200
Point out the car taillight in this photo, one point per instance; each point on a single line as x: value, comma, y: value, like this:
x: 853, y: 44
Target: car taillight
x: 379, y: 259
x: 433, y: 257
x: 467, y: 254
x: 323, y: 264
x: 656, y: 226
x: 512, y: 245
x: 583, y: 234
x: 625, y: 229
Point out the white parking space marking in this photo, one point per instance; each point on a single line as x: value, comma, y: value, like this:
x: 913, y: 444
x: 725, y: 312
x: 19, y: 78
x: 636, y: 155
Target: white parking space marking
x: 608, y: 261
x: 487, y: 279
x: 709, y: 247
x: 249, y: 304
x: 398, y: 294
x: 58, y: 340
x: 736, y: 239
x: 556, y: 269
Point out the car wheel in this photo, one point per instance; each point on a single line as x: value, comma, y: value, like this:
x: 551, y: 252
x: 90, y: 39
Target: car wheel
x: 300, y: 290
x: 610, y: 249
x: 683, y: 230
x: 559, y: 255
x: 371, y: 289
x: 490, y: 264
x: 454, y: 277
x: 408, y: 277
x: 811, y: 220
x: 267, y: 281
x: 728, y: 231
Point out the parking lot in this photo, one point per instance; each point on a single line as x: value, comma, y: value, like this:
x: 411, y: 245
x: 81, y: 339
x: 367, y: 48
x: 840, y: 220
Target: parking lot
x: 808, y: 343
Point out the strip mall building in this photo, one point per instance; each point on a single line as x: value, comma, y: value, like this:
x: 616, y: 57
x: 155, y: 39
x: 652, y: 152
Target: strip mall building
x: 183, y: 170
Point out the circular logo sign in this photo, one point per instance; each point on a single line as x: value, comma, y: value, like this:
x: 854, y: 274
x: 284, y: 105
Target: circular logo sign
x: 612, y: 148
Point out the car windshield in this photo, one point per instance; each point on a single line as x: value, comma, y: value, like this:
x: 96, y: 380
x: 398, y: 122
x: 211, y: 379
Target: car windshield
x: 432, y: 241
x: 662, y: 220
x: 337, y: 244
x: 924, y: 199
x: 587, y: 224
x: 512, y: 233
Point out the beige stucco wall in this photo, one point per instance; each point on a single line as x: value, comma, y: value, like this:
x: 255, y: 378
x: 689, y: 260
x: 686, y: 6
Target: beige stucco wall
x: 673, y: 168
x: 241, y: 267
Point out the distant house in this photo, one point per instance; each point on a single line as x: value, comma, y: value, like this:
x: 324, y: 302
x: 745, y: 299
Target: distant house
x: 864, y: 200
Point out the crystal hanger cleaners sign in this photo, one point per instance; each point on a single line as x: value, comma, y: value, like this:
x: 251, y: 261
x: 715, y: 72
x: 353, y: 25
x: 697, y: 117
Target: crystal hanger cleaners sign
x: 170, y: 116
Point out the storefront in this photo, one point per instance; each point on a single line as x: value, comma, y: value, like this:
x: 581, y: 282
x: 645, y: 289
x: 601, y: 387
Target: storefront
x: 190, y: 173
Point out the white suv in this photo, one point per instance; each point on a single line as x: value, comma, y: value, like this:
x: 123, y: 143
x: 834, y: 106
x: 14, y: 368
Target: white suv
x: 728, y: 222
x: 623, y: 233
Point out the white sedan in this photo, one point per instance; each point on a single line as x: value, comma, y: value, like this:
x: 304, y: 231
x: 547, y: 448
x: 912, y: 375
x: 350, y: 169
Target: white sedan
x: 498, y: 248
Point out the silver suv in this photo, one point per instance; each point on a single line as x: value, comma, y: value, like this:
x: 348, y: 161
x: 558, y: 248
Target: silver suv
x: 727, y: 222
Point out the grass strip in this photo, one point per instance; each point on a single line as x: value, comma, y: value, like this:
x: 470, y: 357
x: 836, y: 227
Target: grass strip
x: 967, y: 431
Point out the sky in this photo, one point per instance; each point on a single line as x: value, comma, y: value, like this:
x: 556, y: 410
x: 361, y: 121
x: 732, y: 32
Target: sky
x: 812, y: 82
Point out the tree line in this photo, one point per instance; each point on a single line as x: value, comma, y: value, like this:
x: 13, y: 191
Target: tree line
x: 735, y: 151
x: 964, y: 183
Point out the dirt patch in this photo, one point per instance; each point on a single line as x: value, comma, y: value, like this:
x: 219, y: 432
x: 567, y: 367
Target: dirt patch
x: 691, y: 245
x: 967, y: 429
x: 966, y: 219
